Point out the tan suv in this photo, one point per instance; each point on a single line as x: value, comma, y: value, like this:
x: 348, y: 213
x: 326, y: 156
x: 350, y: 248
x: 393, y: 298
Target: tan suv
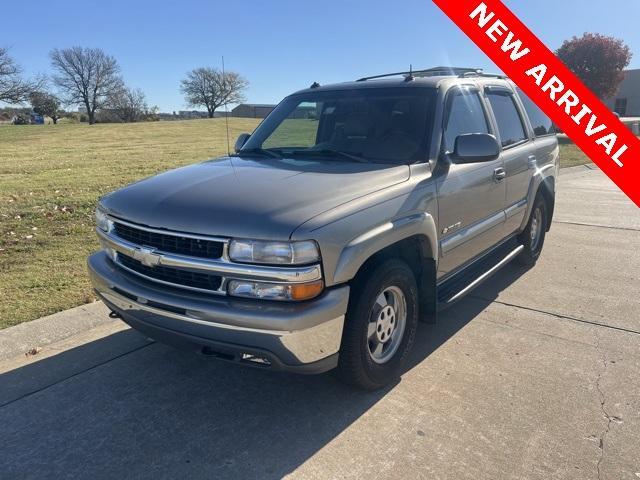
x: 352, y: 212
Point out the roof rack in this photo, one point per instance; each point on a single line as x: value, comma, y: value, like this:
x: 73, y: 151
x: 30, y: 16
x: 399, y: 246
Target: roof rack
x: 429, y: 72
x: 484, y: 75
x: 461, y: 72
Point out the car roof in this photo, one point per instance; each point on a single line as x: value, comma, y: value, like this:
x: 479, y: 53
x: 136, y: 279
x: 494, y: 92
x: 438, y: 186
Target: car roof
x: 402, y: 82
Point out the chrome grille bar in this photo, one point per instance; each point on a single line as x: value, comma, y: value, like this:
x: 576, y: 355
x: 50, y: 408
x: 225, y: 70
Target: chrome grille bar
x: 220, y: 291
x: 222, y: 267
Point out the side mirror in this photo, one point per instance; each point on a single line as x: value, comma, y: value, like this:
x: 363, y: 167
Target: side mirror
x: 475, y: 147
x: 242, y: 139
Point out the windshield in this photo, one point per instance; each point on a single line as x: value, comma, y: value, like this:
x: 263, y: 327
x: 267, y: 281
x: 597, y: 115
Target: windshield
x: 382, y: 125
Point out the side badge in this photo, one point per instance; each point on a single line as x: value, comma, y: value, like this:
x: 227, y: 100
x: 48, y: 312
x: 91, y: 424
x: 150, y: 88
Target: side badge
x: 448, y: 229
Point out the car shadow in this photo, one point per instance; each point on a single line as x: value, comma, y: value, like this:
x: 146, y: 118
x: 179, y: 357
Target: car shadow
x: 123, y: 406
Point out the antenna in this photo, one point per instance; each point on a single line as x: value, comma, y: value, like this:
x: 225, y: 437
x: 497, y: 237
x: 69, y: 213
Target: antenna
x: 409, y: 77
x: 226, y: 110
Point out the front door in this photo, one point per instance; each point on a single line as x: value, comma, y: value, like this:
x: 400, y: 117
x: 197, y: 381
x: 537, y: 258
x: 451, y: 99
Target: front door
x: 471, y: 197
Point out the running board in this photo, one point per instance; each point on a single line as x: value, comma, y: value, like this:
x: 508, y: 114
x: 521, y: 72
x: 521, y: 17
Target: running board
x: 459, y: 286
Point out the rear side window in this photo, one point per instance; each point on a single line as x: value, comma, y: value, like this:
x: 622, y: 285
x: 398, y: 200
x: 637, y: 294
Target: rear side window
x: 542, y: 125
x: 465, y: 115
x: 509, y: 122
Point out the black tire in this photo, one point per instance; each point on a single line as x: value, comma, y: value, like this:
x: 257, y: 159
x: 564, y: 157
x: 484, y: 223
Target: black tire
x: 356, y: 364
x: 533, y: 243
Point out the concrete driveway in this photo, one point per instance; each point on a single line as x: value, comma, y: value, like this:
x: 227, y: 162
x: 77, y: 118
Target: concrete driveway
x: 536, y: 376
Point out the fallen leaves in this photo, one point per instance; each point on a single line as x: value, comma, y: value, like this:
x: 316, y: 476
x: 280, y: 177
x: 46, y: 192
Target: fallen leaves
x: 32, y: 352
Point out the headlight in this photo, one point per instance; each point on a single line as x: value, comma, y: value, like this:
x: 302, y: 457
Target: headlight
x: 102, y: 221
x: 274, y: 253
x: 275, y: 291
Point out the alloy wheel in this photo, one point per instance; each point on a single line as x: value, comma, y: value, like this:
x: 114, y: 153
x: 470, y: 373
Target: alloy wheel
x: 387, y: 322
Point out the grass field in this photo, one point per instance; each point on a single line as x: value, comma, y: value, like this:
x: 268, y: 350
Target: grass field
x: 50, y: 179
x: 571, y: 156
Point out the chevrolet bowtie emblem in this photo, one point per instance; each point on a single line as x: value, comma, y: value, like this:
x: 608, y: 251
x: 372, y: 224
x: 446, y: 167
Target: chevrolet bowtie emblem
x: 146, y: 256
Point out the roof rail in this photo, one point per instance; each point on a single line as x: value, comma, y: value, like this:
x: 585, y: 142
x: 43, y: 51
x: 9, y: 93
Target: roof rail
x: 429, y: 72
x: 484, y: 75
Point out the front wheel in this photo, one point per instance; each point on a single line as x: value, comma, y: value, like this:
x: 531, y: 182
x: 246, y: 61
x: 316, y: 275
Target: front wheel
x: 380, y: 326
x: 532, y: 238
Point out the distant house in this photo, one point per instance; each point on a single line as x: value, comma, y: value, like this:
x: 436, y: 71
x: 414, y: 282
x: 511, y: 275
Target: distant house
x: 168, y: 116
x: 252, y: 110
x: 627, y: 101
x: 189, y: 114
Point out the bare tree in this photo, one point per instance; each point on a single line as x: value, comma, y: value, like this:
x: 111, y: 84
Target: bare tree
x: 128, y: 104
x: 13, y: 88
x: 208, y: 87
x: 86, y: 76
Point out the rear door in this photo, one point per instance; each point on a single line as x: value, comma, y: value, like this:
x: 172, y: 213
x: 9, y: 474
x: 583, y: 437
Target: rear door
x: 545, y: 142
x: 470, y: 196
x: 518, y: 152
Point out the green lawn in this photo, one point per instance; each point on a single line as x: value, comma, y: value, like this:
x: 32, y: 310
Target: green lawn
x: 571, y: 156
x: 50, y: 179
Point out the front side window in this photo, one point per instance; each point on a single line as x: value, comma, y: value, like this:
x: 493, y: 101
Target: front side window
x: 508, y: 119
x: 382, y: 125
x: 465, y: 115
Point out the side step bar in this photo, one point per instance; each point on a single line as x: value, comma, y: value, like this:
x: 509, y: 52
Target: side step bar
x: 454, y: 289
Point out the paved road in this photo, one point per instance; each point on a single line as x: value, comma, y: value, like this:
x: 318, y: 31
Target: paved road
x: 536, y: 376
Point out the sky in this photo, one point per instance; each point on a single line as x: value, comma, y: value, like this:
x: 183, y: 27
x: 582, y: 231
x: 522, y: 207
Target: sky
x: 281, y: 46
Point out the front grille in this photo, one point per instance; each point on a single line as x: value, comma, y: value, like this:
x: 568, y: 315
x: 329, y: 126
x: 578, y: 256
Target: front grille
x: 181, y: 278
x: 170, y: 243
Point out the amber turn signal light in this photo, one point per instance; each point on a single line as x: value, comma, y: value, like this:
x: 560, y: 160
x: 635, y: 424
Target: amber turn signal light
x: 306, y: 291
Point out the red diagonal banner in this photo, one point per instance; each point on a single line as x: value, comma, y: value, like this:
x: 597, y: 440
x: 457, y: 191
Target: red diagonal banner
x: 553, y: 87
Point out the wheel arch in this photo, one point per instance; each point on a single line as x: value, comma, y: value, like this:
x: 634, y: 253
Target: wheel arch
x: 547, y: 189
x: 542, y: 183
x: 418, y: 250
x: 414, y: 232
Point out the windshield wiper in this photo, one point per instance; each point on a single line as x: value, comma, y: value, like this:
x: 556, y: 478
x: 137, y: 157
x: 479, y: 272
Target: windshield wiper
x: 273, y: 153
x: 326, y: 152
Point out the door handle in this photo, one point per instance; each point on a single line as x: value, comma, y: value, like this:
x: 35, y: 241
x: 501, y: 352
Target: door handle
x: 532, y: 161
x: 499, y: 174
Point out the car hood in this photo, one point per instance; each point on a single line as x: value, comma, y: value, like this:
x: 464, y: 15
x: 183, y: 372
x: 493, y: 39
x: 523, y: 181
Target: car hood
x: 244, y: 197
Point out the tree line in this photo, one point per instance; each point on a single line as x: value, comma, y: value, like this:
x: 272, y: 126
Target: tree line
x: 81, y: 76
x: 90, y: 78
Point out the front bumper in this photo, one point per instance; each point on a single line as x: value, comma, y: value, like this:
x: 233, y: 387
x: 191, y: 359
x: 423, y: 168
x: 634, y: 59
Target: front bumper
x: 302, y: 337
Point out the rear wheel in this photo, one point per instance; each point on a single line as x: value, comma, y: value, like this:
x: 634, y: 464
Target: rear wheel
x: 380, y: 325
x: 534, y: 234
